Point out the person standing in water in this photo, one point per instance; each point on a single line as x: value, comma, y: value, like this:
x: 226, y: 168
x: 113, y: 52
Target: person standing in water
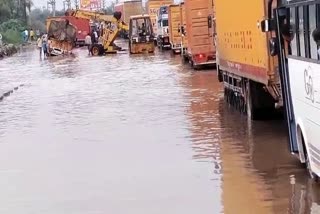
x: 39, y: 44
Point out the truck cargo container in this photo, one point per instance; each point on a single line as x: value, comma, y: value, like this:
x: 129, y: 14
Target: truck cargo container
x: 183, y: 32
x: 199, y: 16
x: 152, y: 7
x: 82, y: 25
x: 128, y: 9
x: 249, y: 72
x: 174, y: 24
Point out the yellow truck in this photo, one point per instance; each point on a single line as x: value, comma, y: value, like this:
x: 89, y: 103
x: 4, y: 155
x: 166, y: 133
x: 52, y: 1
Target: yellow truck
x: 174, y: 24
x: 153, y: 7
x: 249, y: 73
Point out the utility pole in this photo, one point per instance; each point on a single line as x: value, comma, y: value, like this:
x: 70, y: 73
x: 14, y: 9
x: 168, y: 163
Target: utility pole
x: 76, y: 2
x: 53, y: 6
x: 66, y: 5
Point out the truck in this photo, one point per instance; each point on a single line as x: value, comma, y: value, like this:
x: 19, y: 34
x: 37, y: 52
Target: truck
x: 199, y: 27
x: 248, y: 71
x: 82, y: 25
x: 152, y: 7
x: 174, y: 24
x: 140, y: 35
x: 183, y: 32
x: 163, y: 40
x: 128, y: 9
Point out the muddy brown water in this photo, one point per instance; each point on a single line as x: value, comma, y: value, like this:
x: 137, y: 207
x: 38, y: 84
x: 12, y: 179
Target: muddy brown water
x: 137, y: 134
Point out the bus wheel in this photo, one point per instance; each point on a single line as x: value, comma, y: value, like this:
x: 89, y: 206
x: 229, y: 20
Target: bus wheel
x: 312, y: 175
x: 96, y: 50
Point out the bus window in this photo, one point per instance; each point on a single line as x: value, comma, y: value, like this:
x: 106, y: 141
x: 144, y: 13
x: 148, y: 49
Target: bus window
x: 301, y: 33
x: 312, y: 27
x: 294, y: 47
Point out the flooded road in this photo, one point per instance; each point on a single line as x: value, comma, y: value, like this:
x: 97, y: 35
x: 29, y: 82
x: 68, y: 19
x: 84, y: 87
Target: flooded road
x: 137, y: 134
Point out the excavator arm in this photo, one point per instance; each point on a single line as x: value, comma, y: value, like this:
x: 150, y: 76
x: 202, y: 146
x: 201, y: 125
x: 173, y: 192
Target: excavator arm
x: 101, y: 17
x: 92, y: 15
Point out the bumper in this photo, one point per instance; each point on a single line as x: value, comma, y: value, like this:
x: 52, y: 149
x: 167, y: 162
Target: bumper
x: 210, y: 62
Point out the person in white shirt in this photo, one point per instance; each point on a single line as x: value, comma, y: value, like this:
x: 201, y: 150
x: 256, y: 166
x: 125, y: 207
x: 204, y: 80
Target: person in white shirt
x: 39, y: 44
x: 88, y: 42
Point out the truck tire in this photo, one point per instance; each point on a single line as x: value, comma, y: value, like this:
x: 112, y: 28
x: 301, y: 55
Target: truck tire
x: 96, y: 50
x: 260, y: 104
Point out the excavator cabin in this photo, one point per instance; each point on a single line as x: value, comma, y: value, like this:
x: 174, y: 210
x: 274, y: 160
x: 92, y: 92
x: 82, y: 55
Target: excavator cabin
x: 141, y: 37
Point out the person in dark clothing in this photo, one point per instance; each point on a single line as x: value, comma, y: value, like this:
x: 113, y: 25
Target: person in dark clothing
x: 287, y: 34
x: 93, y: 38
x: 316, y: 38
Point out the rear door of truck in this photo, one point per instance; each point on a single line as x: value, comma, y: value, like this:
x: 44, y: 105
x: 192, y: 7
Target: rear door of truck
x: 199, y: 14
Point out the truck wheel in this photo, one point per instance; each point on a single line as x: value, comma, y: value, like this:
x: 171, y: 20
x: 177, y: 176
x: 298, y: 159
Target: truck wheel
x: 250, y: 107
x: 220, y: 74
x: 96, y: 50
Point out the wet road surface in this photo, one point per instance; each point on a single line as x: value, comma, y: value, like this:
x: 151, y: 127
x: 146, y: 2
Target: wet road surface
x: 137, y: 134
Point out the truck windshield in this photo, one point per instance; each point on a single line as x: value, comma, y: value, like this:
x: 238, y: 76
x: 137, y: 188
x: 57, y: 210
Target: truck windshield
x: 164, y: 23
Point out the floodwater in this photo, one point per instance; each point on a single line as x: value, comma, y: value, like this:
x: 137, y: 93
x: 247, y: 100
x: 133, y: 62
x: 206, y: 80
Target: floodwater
x: 137, y: 134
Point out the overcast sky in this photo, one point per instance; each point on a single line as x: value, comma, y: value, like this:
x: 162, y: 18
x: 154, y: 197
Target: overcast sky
x: 59, y: 3
x: 41, y: 3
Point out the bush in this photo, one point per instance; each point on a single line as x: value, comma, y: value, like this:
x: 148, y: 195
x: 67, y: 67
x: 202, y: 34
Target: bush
x: 11, y: 31
x: 12, y: 36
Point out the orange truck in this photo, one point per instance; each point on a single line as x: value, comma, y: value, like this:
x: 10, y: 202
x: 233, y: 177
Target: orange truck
x: 199, y: 28
x: 152, y: 7
x: 182, y: 31
x: 249, y: 73
x: 174, y: 24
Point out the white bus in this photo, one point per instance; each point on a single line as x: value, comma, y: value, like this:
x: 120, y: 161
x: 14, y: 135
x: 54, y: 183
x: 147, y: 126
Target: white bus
x: 297, y: 44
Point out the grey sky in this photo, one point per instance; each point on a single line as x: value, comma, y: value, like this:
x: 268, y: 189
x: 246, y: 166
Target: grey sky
x: 41, y: 3
x: 59, y: 3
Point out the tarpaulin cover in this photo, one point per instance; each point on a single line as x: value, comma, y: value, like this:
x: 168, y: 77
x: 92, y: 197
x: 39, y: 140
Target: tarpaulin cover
x: 62, y: 30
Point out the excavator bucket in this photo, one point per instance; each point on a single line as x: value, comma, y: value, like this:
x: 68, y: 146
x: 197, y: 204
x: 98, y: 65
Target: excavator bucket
x: 117, y: 15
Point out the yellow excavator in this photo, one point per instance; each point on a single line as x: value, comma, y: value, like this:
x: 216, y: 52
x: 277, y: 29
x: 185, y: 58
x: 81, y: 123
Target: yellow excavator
x: 109, y: 30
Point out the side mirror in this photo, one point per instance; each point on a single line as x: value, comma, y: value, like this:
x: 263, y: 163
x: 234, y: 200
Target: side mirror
x: 273, y: 46
x: 267, y: 25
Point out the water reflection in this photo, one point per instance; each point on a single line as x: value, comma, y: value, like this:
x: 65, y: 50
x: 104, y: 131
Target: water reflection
x: 138, y: 134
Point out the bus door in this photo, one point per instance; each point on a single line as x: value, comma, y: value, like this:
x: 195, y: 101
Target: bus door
x: 281, y: 47
x: 281, y: 21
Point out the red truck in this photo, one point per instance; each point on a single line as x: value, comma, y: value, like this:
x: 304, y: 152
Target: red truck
x: 82, y: 25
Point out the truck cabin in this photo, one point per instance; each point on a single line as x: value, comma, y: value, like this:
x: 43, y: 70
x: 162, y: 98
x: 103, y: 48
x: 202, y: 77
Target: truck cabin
x: 163, y: 17
x: 141, y: 29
